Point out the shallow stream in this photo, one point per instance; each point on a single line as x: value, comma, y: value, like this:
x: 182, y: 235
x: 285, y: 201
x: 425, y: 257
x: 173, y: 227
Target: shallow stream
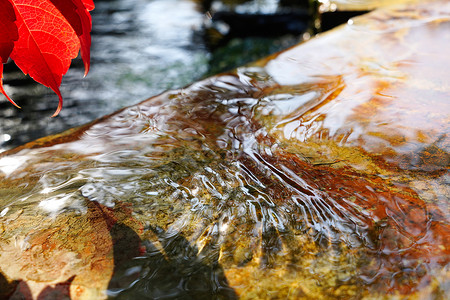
x: 311, y: 174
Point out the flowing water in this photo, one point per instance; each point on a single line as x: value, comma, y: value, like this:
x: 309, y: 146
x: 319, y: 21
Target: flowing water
x: 139, y: 48
x: 309, y: 175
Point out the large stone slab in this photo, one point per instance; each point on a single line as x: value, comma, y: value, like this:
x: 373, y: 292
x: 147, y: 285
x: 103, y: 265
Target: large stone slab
x: 318, y: 173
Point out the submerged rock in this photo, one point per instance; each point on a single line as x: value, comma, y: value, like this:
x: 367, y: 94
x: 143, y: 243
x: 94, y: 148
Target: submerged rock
x: 319, y: 173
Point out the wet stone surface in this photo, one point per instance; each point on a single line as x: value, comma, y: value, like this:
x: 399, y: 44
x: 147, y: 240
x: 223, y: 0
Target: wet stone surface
x: 309, y: 175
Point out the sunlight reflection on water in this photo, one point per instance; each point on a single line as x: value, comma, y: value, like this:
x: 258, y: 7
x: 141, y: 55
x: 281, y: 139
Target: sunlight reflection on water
x: 230, y: 187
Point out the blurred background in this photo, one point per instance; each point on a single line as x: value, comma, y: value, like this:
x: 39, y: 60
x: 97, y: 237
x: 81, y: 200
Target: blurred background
x: 141, y: 48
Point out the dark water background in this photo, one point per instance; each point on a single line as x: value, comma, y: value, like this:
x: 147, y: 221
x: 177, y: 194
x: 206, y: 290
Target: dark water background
x: 141, y: 48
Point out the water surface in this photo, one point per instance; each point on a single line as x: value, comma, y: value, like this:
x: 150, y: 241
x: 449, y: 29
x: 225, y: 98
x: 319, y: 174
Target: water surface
x: 309, y: 175
x: 139, y: 48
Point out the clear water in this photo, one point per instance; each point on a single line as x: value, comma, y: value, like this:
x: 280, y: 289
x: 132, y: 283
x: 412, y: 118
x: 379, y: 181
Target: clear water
x: 313, y: 174
x: 139, y: 48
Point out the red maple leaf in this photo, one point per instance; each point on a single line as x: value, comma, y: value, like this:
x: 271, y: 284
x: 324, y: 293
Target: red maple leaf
x: 43, y: 36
